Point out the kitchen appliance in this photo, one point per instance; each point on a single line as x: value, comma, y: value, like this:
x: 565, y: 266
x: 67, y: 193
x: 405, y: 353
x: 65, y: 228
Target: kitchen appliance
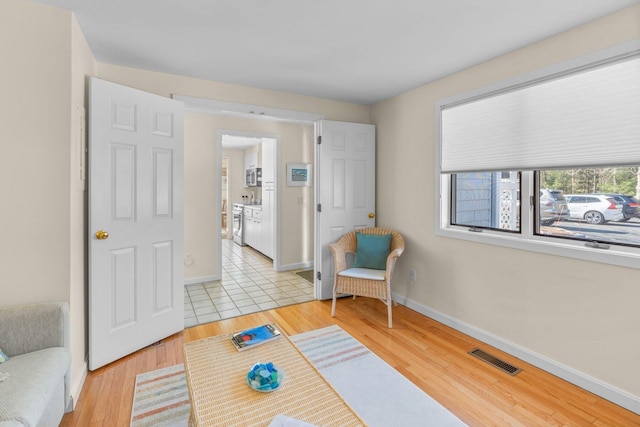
x: 253, y: 177
x: 238, y: 224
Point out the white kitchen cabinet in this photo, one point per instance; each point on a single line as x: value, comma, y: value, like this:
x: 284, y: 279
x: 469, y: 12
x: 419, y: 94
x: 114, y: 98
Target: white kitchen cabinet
x: 251, y: 160
x: 268, y: 158
x: 268, y: 219
x: 253, y: 227
x: 268, y: 196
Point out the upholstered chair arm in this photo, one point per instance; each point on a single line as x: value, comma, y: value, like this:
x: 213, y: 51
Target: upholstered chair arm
x: 27, y: 328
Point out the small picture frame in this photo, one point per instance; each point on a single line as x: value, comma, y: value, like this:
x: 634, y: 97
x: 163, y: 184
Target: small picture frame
x: 298, y: 174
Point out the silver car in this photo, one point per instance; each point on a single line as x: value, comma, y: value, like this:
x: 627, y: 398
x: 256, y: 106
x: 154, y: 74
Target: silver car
x: 594, y: 208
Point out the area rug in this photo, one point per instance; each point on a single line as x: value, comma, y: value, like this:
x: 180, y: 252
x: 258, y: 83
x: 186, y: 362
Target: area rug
x: 306, y: 275
x: 161, y: 398
x: 379, y: 394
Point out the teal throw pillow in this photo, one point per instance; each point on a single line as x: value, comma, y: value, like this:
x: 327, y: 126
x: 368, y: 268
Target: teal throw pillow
x: 372, y: 251
x: 3, y: 357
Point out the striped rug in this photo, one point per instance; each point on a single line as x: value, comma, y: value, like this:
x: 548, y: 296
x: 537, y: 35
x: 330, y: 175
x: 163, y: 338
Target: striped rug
x: 378, y: 393
x: 161, y: 398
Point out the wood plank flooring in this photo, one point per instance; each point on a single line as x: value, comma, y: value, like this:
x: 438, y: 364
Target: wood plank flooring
x: 431, y: 355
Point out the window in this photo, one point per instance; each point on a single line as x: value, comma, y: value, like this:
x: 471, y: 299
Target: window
x: 486, y: 200
x: 548, y: 162
x: 592, y: 205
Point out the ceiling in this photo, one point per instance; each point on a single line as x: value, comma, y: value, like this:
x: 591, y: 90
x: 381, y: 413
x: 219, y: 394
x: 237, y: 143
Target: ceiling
x: 361, y: 51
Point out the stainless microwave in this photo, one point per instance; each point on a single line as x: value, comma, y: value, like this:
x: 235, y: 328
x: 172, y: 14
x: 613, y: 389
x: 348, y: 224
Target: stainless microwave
x: 253, y: 177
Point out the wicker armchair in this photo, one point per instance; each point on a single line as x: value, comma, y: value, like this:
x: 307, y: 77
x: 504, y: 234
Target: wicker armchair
x: 363, y: 281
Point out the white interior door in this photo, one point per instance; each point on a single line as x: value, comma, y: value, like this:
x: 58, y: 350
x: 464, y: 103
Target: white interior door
x: 345, y: 189
x: 136, y: 289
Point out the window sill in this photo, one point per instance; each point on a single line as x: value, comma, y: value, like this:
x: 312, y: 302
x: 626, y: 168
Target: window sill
x: 615, y: 255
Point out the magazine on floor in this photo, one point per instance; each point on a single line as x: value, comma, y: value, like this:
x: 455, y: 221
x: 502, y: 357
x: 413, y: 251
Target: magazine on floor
x: 249, y: 338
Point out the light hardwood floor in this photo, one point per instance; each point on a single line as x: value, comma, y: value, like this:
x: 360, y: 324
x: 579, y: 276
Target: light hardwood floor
x: 430, y: 354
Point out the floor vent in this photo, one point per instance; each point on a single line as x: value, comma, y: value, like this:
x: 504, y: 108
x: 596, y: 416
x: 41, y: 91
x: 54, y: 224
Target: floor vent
x: 492, y: 360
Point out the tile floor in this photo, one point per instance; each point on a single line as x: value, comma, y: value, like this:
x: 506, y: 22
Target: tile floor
x: 248, y: 285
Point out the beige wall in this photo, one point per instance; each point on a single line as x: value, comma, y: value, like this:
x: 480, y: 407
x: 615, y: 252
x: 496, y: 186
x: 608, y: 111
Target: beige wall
x: 580, y: 314
x: 34, y: 166
x: 168, y: 84
x: 44, y: 61
x: 83, y: 65
x: 200, y: 129
x: 202, y: 186
x: 577, y: 313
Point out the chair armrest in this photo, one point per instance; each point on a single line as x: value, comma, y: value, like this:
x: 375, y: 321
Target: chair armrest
x: 339, y: 251
x: 392, y: 258
x: 27, y: 328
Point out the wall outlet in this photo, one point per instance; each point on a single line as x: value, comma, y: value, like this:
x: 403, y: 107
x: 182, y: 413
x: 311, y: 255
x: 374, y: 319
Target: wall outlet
x: 412, y: 275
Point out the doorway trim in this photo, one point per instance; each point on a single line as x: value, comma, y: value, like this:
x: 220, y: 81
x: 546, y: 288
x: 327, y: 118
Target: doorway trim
x: 211, y: 106
x: 220, y: 135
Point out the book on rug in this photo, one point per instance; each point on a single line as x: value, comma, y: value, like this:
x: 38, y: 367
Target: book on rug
x: 249, y: 338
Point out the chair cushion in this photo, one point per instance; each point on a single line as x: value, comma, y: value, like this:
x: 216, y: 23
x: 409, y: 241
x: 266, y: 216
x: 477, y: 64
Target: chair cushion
x: 372, y: 251
x: 363, y: 273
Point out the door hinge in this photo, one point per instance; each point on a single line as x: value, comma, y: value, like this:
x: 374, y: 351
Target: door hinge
x: 319, y: 207
x: 319, y: 275
x: 319, y: 139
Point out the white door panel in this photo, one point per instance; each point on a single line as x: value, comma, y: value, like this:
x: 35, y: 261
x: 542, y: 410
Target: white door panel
x: 136, y: 289
x: 345, y: 189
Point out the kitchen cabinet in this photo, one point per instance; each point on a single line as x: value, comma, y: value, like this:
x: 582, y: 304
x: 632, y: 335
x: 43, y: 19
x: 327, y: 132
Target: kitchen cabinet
x: 268, y: 197
x: 253, y: 227
x: 251, y: 160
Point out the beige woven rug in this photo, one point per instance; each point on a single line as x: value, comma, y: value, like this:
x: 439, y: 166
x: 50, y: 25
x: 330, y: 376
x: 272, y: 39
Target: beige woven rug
x: 379, y: 394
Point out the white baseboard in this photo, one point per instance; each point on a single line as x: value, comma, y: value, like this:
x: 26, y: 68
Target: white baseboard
x: 194, y: 280
x: 578, y: 378
x: 296, y: 266
x: 76, y: 387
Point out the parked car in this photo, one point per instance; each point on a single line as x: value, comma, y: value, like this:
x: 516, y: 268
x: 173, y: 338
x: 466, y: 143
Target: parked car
x: 630, y: 206
x: 594, y: 208
x: 553, y: 206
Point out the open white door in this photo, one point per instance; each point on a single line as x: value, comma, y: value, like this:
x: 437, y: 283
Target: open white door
x: 136, y: 284
x: 345, y: 189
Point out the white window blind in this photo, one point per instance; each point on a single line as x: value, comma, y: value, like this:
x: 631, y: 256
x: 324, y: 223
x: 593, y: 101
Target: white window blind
x: 586, y: 119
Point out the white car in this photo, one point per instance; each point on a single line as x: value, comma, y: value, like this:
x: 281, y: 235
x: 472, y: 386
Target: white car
x: 593, y: 208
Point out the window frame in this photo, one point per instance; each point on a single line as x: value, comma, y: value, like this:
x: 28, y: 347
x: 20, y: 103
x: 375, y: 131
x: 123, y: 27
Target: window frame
x: 453, y: 207
x: 527, y: 239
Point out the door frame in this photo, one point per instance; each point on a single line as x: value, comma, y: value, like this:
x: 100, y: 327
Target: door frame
x: 256, y: 112
x: 276, y: 223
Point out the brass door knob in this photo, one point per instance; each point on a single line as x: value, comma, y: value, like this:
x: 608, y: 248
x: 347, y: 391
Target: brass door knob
x: 372, y: 215
x: 102, y: 235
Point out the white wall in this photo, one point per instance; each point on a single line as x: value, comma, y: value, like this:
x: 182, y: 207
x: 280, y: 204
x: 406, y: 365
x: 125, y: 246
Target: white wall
x: 579, y: 314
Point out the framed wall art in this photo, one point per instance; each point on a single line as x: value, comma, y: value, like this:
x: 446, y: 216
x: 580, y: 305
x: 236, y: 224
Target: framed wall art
x: 298, y: 174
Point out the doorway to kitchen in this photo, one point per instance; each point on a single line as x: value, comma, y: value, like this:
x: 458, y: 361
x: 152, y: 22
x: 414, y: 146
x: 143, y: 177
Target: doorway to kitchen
x: 249, y: 280
x: 248, y: 285
x: 225, y: 224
